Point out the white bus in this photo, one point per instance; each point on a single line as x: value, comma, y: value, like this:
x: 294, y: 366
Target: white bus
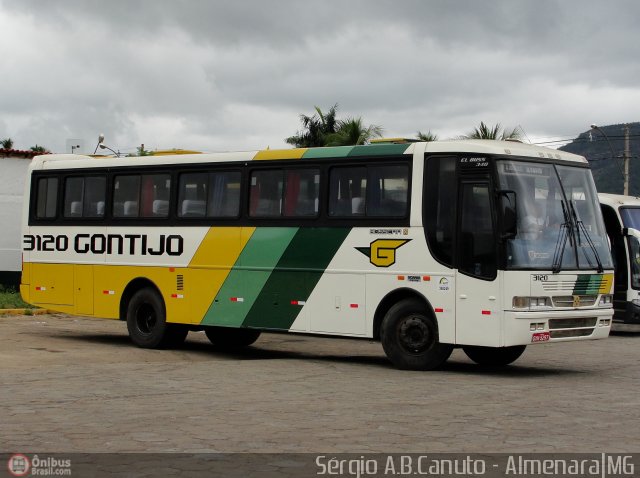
x: 622, y: 221
x: 486, y: 245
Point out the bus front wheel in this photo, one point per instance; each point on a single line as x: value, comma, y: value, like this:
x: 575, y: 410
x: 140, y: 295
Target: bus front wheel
x: 231, y: 338
x: 147, y: 322
x: 410, y: 337
x: 494, y: 356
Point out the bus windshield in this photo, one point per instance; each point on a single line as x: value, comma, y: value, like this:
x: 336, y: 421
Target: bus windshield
x: 630, y: 217
x: 558, y: 225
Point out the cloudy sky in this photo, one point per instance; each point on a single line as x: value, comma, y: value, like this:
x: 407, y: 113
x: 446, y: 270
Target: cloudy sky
x: 235, y: 75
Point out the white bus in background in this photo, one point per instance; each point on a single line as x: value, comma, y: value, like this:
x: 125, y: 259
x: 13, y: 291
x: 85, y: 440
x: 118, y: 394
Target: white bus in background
x: 622, y: 221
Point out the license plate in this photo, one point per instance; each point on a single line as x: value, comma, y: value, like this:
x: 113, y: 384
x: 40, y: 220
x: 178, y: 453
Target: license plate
x: 540, y: 337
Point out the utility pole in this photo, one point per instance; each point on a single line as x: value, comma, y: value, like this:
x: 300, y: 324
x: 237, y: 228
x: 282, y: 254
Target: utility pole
x: 627, y: 155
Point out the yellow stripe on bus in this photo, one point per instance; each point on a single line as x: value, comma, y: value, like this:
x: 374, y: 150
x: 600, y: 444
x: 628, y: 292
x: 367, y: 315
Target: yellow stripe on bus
x: 295, y: 153
x: 211, y: 264
x: 606, y: 284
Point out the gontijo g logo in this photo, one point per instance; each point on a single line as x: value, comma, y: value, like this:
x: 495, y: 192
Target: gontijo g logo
x: 382, y: 252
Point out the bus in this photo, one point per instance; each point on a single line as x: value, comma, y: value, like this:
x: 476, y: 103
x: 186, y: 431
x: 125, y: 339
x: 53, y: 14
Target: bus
x: 622, y: 222
x: 424, y: 246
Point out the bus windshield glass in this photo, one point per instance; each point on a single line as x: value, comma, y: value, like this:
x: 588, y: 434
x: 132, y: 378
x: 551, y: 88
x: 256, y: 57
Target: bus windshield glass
x: 630, y: 217
x: 558, y: 226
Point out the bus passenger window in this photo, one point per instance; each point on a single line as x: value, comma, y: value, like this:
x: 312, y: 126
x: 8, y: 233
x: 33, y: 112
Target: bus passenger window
x: 266, y: 193
x: 84, y: 197
x: 73, y: 192
x: 192, y: 195
x: 301, y: 192
x: 224, y: 194
x: 347, y: 191
x: 155, y: 195
x: 388, y: 191
x: 46, y: 198
x: 126, y: 194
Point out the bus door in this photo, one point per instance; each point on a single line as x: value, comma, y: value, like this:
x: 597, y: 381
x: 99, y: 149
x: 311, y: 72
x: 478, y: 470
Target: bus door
x: 478, y: 318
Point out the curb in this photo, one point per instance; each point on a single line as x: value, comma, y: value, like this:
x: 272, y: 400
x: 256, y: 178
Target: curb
x: 24, y: 312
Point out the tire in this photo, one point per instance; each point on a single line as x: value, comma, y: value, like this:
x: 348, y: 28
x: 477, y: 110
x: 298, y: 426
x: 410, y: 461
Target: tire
x: 410, y: 337
x: 494, y: 356
x: 231, y: 338
x: 147, y: 322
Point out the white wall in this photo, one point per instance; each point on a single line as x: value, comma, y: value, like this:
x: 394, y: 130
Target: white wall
x: 13, y: 172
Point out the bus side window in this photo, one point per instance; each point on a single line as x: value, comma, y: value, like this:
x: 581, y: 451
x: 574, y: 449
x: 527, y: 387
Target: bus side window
x: 301, y: 192
x: 84, y: 197
x: 192, y: 194
x: 388, y: 190
x: 126, y: 195
x: 347, y: 191
x: 266, y: 193
x: 439, y: 205
x: 224, y: 194
x: 73, y: 192
x: 46, y: 198
x: 155, y: 195
x: 477, y: 238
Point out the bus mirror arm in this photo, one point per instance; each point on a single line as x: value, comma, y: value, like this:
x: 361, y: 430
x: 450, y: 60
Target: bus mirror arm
x: 509, y: 213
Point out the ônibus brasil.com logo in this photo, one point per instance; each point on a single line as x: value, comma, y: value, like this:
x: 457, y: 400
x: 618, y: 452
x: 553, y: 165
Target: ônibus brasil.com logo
x: 22, y: 465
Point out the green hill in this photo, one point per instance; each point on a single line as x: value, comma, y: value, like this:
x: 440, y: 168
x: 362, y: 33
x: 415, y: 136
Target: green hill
x: 607, y: 171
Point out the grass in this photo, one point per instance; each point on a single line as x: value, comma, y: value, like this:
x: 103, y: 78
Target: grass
x: 10, y: 299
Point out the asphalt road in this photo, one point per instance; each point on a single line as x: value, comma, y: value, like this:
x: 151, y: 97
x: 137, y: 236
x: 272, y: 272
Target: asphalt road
x: 78, y: 385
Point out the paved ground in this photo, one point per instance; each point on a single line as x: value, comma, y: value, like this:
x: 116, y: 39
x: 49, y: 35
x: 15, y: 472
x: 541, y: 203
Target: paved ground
x: 78, y: 385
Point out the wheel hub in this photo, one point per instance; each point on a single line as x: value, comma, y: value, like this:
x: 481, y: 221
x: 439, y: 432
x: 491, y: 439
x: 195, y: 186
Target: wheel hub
x: 146, y: 319
x: 414, y: 335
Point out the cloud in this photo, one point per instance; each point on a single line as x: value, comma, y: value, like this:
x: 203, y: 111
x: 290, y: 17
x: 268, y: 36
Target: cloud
x: 219, y: 75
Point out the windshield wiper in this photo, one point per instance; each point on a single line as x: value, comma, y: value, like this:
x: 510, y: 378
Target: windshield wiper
x: 581, y: 228
x: 561, y: 243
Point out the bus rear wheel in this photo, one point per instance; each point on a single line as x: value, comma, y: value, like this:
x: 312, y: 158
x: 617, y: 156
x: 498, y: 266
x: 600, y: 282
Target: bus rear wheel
x: 410, y: 337
x: 231, y: 338
x: 147, y: 322
x: 494, y: 356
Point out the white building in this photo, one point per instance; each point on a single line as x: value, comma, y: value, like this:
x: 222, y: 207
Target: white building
x: 13, y: 172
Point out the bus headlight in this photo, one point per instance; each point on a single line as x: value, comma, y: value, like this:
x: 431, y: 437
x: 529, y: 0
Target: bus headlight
x: 606, y: 300
x: 531, y: 302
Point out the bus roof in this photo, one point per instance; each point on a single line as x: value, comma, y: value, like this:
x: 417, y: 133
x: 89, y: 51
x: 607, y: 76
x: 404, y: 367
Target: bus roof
x: 616, y: 200
x: 508, y: 148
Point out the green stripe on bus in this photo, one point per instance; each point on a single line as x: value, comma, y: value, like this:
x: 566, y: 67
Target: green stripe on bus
x: 587, y: 284
x: 330, y: 152
x: 248, y: 276
x: 295, y: 277
x: 379, y: 150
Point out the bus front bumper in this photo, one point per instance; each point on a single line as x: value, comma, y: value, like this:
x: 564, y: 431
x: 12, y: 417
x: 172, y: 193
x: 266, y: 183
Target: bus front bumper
x: 529, y: 327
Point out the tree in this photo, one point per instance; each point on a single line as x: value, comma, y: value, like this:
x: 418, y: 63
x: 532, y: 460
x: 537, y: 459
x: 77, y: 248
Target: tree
x: 7, y: 143
x: 39, y: 149
x: 429, y: 136
x: 315, y: 128
x: 352, y: 131
x: 497, y: 132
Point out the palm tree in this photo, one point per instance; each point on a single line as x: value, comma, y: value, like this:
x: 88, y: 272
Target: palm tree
x: 429, y: 136
x: 352, y: 131
x: 497, y: 132
x: 315, y: 128
x: 7, y: 143
x: 39, y: 149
